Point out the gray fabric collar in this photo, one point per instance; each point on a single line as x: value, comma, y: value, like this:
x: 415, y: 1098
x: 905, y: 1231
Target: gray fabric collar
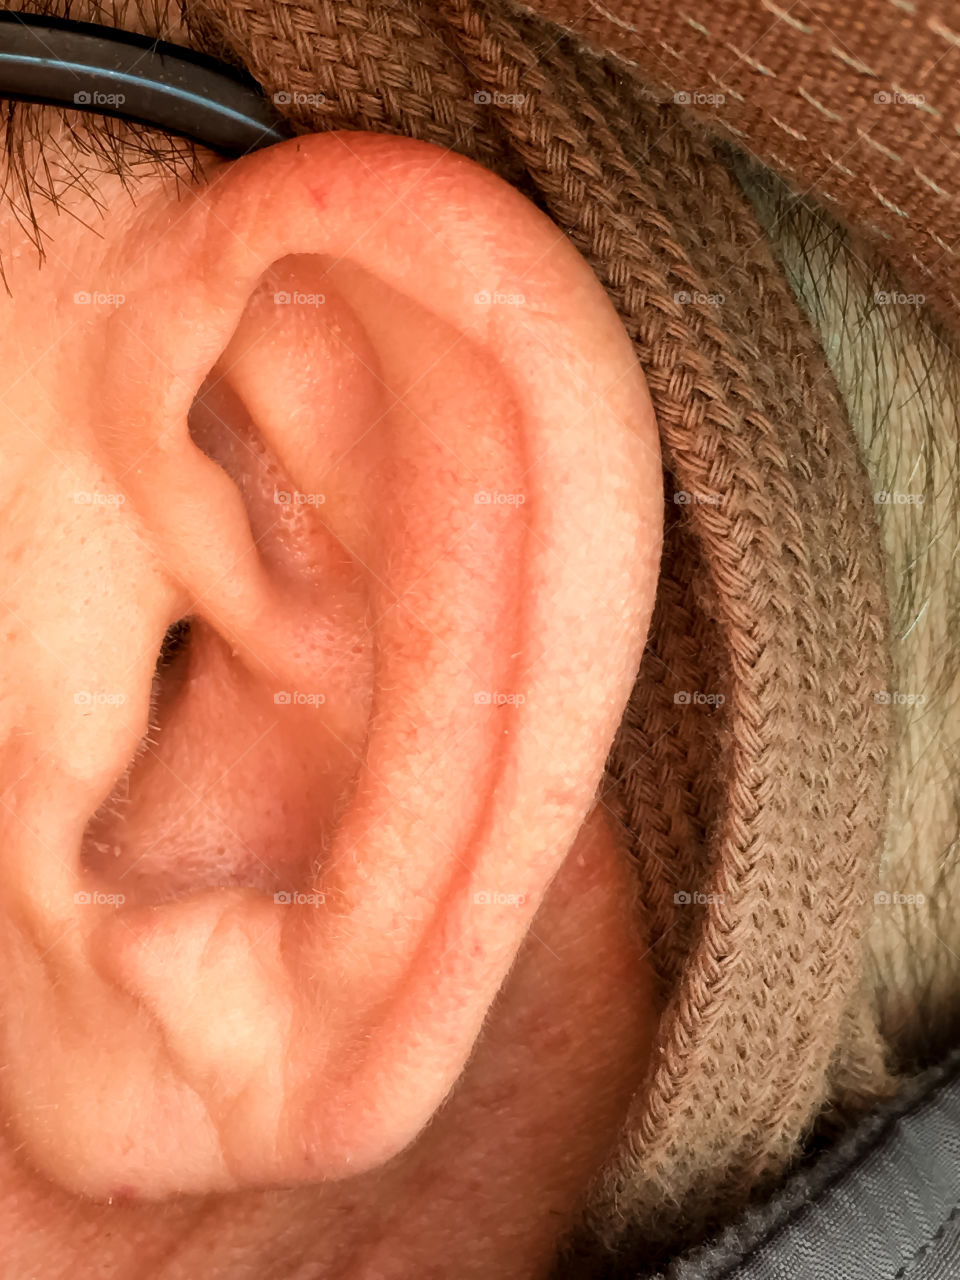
x: 882, y: 1204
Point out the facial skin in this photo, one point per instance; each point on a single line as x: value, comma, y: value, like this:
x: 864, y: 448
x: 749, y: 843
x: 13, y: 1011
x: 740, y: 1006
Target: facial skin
x: 392, y: 710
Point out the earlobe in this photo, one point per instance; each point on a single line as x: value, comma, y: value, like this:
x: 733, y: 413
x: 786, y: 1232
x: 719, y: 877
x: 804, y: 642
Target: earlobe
x: 463, y: 583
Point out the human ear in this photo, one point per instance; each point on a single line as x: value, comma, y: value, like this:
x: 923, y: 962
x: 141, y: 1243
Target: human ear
x: 359, y: 411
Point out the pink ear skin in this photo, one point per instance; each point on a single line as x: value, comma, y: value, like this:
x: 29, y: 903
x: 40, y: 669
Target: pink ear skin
x: 323, y: 894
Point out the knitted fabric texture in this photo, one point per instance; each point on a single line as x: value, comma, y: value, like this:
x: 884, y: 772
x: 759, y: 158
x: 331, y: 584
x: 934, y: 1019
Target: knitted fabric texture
x: 857, y: 102
x: 755, y: 820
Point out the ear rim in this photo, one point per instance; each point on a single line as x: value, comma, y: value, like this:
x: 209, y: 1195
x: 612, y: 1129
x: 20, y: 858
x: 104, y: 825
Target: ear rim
x: 623, y: 498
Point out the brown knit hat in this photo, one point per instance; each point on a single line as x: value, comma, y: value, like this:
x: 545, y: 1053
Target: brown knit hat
x: 751, y: 764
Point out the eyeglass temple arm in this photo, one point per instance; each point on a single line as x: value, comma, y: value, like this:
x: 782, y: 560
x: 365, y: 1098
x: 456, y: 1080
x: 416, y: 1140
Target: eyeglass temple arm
x: 87, y: 67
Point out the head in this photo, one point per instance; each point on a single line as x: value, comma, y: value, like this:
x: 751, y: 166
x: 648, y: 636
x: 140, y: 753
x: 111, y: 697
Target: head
x: 334, y: 513
x: 333, y: 517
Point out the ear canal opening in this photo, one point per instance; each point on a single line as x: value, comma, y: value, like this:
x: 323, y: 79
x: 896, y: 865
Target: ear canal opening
x: 174, y: 642
x: 172, y: 652
x: 171, y: 661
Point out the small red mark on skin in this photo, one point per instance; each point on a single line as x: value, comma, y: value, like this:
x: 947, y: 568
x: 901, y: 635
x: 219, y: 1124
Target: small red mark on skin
x: 123, y: 1192
x: 319, y: 197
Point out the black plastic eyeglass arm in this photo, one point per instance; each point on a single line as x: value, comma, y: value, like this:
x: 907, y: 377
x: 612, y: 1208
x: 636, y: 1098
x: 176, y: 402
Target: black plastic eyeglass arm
x: 88, y: 67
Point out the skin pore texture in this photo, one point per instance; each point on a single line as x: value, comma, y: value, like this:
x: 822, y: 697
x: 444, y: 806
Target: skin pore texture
x: 320, y: 954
